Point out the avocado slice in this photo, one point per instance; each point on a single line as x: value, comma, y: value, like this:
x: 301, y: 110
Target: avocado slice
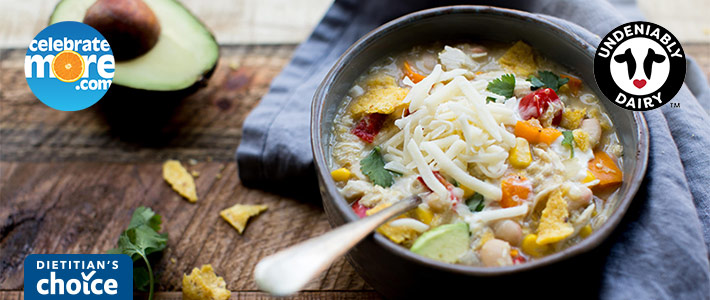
x: 185, y: 54
x: 444, y: 243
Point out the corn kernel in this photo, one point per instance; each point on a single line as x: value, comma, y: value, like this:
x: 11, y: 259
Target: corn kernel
x: 341, y: 174
x: 531, y: 247
x: 514, y: 252
x: 520, y: 156
x: 424, y: 215
x: 585, y: 231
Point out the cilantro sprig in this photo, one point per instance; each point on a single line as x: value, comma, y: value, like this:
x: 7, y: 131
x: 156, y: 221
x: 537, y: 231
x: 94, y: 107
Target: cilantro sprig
x: 475, y: 203
x: 373, y: 166
x: 140, y: 239
x: 503, y: 86
x: 547, y: 79
x: 568, y: 141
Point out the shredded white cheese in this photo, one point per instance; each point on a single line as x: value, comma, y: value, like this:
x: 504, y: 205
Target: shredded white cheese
x: 451, y: 129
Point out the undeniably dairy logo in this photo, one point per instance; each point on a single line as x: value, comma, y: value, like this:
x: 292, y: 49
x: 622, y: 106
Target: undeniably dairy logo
x: 639, y: 66
x: 69, y: 66
x: 78, y: 276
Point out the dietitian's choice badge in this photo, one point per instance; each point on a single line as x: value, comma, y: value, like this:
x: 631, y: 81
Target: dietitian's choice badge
x: 639, y: 66
x: 78, y: 276
x: 69, y: 66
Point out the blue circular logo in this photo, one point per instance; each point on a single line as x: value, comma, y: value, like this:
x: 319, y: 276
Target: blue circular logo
x: 69, y: 66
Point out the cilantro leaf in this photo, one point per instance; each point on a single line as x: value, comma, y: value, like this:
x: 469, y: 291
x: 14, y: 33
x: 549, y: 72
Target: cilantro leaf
x: 475, y: 203
x: 569, y: 142
x: 490, y: 99
x: 503, y: 86
x: 547, y: 79
x: 373, y: 166
x: 140, y: 239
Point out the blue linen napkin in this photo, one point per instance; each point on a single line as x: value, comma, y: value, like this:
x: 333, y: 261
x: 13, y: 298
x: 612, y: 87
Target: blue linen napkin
x: 659, y: 251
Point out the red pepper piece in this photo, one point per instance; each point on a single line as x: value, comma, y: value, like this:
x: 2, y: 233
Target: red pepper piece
x: 369, y: 127
x: 360, y: 211
x: 536, y: 103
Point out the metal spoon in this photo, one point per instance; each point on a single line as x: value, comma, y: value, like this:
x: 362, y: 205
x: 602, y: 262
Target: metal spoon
x: 287, y: 271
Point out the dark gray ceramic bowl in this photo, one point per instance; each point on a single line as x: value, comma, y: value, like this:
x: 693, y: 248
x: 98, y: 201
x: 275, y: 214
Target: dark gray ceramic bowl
x: 399, y: 273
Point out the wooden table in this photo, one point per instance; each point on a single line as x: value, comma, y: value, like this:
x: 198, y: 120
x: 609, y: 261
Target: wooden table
x: 69, y: 181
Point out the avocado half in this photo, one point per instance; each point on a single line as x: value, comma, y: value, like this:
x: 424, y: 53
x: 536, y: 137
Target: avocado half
x: 184, y: 56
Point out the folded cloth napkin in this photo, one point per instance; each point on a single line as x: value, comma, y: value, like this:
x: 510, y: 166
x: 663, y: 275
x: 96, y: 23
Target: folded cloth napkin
x: 659, y: 251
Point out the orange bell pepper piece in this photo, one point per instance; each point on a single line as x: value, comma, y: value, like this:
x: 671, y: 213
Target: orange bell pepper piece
x: 605, y: 169
x: 574, y: 84
x: 535, y: 134
x: 516, y: 189
x: 413, y: 75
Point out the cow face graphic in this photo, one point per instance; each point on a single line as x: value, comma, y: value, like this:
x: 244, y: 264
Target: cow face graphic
x: 640, y: 66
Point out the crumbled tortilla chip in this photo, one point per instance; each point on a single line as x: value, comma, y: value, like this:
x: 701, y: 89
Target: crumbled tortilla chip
x: 519, y: 59
x: 486, y: 236
x: 383, y: 96
x: 581, y: 139
x: 572, y: 118
x: 398, y: 234
x: 239, y: 214
x: 204, y: 284
x: 180, y: 180
x: 553, y: 222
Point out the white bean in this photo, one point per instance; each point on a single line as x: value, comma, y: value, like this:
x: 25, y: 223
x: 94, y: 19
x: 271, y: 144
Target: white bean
x: 496, y: 253
x: 593, y: 129
x: 509, y: 231
x: 579, y: 196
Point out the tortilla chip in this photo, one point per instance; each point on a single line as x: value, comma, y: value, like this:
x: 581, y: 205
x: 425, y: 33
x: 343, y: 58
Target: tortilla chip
x: 180, y: 180
x: 572, y: 118
x: 204, y: 284
x: 519, y: 59
x: 383, y: 96
x: 581, y: 139
x: 398, y: 234
x: 239, y: 214
x: 553, y: 222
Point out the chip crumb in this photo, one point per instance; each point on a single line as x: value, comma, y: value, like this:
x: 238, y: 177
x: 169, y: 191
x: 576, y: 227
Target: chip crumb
x: 203, y: 283
x: 180, y: 180
x: 192, y: 161
x: 239, y: 214
x: 195, y: 173
x: 520, y: 59
x: 234, y: 65
x: 218, y: 176
x: 383, y: 96
x: 173, y: 260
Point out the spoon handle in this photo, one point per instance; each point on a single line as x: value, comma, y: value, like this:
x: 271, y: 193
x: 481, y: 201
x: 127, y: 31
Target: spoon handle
x: 287, y: 271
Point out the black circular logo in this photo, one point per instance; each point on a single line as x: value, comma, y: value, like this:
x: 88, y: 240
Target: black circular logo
x: 639, y: 66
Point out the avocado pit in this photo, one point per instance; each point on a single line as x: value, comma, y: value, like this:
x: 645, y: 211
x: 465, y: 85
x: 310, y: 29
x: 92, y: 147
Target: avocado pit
x: 129, y: 26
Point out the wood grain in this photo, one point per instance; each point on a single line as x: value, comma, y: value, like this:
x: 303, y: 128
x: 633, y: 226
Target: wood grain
x: 249, y: 295
x: 70, y: 180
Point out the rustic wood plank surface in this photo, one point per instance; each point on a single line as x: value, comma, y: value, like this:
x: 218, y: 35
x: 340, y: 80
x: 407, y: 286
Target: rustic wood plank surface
x: 69, y: 181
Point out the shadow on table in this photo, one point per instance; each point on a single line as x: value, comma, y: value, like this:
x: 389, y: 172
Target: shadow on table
x: 145, y: 118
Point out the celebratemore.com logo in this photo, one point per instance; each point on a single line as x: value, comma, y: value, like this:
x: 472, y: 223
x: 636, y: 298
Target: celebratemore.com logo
x: 69, y: 66
x: 78, y: 276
